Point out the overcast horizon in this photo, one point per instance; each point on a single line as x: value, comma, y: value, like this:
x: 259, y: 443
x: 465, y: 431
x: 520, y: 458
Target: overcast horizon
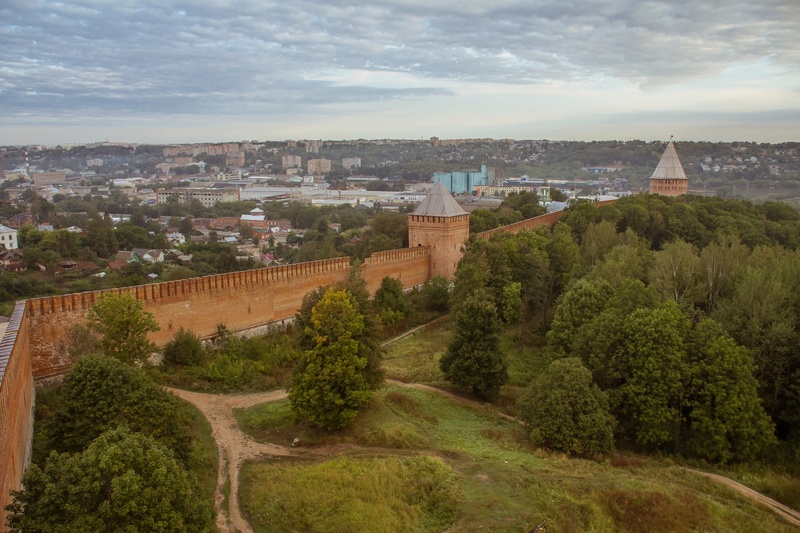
x: 217, y: 70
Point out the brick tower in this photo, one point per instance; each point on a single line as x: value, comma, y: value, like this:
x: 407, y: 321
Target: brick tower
x: 668, y: 178
x: 439, y: 222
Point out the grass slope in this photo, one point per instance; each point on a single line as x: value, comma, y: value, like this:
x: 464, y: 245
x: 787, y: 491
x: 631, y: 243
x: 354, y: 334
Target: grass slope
x: 501, y: 484
x: 495, y: 480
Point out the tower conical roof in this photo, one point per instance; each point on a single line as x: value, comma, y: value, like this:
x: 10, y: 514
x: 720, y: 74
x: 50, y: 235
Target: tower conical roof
x: 670, y: 166
x: 439, y: 203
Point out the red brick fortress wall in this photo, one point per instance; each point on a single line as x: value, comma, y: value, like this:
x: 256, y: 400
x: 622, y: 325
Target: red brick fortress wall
x: 412, y: 266
x: 530, y: 223
x: 239, y: 300
x: 16, y: 405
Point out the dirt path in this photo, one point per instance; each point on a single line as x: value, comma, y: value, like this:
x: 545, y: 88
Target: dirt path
x: 787, y: 513
x: 234, y: 447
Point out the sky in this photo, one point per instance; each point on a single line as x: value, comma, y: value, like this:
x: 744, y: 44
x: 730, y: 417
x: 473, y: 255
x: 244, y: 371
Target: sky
x: 168, y: 71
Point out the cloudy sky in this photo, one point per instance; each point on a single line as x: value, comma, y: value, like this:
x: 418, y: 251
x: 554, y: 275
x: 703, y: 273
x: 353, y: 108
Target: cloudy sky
x: 211, y: 70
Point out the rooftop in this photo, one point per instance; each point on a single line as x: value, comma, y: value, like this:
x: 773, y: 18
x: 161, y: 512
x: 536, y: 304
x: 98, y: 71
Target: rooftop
x: 670, y: 166
x: 439, y: 203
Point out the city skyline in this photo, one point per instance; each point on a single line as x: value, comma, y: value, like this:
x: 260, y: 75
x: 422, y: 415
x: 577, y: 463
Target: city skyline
x: 215, y: 70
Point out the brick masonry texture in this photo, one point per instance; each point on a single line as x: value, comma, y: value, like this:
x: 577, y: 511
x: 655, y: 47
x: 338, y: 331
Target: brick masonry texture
x: 16, y: 404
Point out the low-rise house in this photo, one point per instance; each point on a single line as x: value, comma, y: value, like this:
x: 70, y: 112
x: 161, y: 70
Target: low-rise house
x: 176, y: 238
x: 178, y: 256
x: 201, y: 223
x: 11, y: 260
x: 280, y: 224
x: 75, y: 265
x: 150, y: 256
x: 127, y: 256
x: 16, y: 221
x: 255, y: 218
x: 8, y: 238
x: 225, y: 223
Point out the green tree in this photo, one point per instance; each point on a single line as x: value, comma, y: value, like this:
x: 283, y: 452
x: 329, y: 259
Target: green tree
x: 123, y: 325
x: 760, y: 315
x: 650, y: 399
x: 720, y: 262
x: 562, y: 261
x: 567, y: 412
x: 184, y: 349
x: 579, y: 305
x: 473, y: 360
x: 123, y: 481
x: 129, y: 236
x: 597, y: 241
x: 482, y: 220
x: 394, y: 226
x: 100, y: 237
x: 513, y: 308
x: 100, y: 393
x: 390, y: 302
x: 369, y: 339
x: 623, y: 262
x: 526, y: 203
x: 676, y: 271
x: 726, y: 419
x: 328, y: 387
x: 185, y: 225
x: 436, y: 294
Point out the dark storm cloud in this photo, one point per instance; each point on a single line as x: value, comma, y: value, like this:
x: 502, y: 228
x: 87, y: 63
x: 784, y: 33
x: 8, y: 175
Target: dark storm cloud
x: 238, y: 57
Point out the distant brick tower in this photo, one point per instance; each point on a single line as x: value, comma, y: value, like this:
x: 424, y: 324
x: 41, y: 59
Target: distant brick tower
x: 668, y: 178
x: 439, y: 222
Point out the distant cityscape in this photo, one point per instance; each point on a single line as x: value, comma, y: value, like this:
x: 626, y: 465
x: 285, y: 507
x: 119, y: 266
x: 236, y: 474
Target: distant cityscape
x: 387, y: 172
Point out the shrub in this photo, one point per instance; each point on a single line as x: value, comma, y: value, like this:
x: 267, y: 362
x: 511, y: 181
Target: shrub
x: 567, y: 412
x: 184, y: 349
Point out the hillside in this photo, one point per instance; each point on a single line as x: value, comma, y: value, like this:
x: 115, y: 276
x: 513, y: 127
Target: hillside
x: 417, y: 460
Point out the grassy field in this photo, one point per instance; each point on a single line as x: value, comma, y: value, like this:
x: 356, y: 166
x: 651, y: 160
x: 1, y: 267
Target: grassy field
x: 482, y: 471
x: 352, y: 494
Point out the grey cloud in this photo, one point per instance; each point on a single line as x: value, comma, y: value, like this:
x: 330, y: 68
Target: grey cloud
x: 192, y: 57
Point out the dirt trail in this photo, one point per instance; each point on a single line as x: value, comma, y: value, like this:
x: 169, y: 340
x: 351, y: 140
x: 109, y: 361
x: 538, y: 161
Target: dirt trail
x: 234, y: 447
x: 787, y: 513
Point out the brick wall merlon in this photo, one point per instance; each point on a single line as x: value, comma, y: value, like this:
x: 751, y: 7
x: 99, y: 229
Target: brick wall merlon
x: 397, y: 255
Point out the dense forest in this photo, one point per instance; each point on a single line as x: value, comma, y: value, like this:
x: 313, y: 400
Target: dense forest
x: 684, y: 311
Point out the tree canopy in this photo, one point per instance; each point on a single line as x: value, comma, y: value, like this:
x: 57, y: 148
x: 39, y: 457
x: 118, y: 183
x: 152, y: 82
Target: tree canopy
x: 123, y: 481
x: 565, y: 411
x: 101, y: 393
x: 329, y: 386
x: 122, y: 324
x: 473, y: 360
